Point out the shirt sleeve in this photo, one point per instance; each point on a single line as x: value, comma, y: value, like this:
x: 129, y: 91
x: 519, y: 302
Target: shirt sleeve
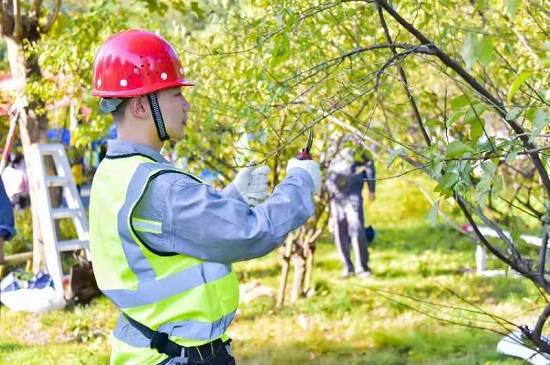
x: 201, y: 222
x: 231, y: 192
x: 370, y: 176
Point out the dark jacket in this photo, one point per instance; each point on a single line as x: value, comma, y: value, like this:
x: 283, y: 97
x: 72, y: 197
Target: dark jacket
x: 7, y: 224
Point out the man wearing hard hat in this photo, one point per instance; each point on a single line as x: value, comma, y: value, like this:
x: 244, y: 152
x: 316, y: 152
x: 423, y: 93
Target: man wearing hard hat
x: 162, y: 241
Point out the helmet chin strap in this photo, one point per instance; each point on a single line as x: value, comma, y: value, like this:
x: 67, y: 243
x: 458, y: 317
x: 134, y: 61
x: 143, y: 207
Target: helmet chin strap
x: 157, y: 116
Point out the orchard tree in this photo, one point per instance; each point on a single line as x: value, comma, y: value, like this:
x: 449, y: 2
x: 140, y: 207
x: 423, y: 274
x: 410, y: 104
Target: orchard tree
x: 458, y: 90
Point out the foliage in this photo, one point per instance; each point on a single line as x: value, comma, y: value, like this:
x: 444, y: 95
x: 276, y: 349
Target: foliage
x: 22, y: 242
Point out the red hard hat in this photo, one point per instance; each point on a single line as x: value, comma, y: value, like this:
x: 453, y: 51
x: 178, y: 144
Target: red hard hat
x: 136, y: 62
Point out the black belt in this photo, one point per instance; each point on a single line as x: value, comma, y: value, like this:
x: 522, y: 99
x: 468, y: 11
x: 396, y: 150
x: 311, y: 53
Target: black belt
x: 161, y: 343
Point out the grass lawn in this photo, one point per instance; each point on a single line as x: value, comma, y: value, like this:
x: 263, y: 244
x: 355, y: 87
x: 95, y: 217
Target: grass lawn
x: 347, y: 321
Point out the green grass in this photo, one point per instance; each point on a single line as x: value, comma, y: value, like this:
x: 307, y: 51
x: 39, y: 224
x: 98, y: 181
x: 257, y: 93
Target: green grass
x: 346, y: 321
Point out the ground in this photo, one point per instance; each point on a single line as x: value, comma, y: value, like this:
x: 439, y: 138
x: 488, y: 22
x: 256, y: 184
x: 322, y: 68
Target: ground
x: 346, y: 321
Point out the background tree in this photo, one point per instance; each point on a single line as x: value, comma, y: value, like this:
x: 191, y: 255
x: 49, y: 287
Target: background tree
x: 456, y: 90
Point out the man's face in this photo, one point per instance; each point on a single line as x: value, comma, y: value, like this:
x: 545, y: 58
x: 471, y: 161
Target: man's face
x: 174, y: 108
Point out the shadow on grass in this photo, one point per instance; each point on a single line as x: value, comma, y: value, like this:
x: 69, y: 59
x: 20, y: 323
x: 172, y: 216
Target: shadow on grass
x: 419, y: 344
x: 414, y: 239
x: 10, y: 347
x: 259, y: 273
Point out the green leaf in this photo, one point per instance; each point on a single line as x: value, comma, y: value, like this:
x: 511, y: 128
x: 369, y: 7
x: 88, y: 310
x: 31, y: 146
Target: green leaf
x: 515, y: 150
x: 511, y: 7
x: 394, y: 154
x: 516, y: 84
x: 513, y: 113
x: 477, y: 129
x: 474, y: 112
x: 453, y: 118
x: 457, y: 149
x: 447, y: 182
x: 434, y: 212
x: 468, y: 50
x: 477, y: 47
x: 459, y: 102
x: 489, y: 167
x: 540, y: 119
x: 281, y: 49
x: 484, y: 51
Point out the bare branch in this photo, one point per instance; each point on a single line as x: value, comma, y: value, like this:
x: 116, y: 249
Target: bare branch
x: 495, y: 251
x: 51, y: 18
x: 404, y: 80
x: 339, y: 59
x: 18, y: 25
x: 3, y: 19
x: 473, y: 83
x: 542, y: 255
x: 36, y: 8
x: 535, y: 335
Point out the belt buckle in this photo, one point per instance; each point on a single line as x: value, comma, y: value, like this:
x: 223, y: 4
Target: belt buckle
x: 183, y: 359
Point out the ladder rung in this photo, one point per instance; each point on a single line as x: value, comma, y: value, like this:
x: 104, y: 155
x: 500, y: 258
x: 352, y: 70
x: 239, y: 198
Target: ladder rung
x: 56, y: 180
x: 60, y: 213
x: 48, y: 149
x: 71, y: 245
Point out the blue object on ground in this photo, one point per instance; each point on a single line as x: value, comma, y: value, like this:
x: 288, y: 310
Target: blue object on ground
x: 370, y: 233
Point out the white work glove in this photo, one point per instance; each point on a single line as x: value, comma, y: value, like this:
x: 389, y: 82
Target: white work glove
x: 311, y: 167
x: 251, y: 183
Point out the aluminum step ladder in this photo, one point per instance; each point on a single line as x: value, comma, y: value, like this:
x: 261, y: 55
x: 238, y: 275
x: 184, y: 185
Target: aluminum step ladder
x: 73, y: 209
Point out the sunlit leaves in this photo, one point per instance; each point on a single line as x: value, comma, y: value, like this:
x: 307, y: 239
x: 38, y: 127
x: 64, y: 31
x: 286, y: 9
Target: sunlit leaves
x: 511, y: 7
x: 518, y: 81
x: 457, y: 149
x: 477, y: 47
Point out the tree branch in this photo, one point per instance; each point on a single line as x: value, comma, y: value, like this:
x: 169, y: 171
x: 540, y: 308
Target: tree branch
x: 51, y: 18
x: 36, y: 8
x: 470, y: 80
x: 517, y: 259
x: 403, y: 77
x: 18, y: 24
x: 495, y: 251
x: 339, y: 59
x: 535, y: 335
x: 542, y: 254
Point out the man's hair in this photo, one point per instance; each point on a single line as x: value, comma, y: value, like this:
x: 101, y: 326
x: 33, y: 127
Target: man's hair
x: 115, y: 106
x: 118, y: 113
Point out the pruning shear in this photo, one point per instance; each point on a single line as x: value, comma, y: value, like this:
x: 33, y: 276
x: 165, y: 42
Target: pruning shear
x: 304, y: 154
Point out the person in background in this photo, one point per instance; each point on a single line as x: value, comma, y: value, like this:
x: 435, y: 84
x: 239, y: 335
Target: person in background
x: 7, y: 225
x: 346, y: 176
x: 15, y: 181
x: 77, y: 170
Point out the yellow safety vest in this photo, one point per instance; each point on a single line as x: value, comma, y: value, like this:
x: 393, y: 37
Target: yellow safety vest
x: 191, y: 300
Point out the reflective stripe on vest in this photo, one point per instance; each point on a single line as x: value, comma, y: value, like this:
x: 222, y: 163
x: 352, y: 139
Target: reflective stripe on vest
x: 197, y: 329
x: 191, y: 299
x: 152, y: 291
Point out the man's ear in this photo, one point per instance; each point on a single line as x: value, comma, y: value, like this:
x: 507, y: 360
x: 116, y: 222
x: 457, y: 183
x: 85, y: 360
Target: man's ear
x: 139, y: 107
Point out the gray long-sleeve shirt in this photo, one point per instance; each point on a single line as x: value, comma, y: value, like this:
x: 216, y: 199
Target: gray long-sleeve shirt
x: 217, y: 226
x: 345, y: 178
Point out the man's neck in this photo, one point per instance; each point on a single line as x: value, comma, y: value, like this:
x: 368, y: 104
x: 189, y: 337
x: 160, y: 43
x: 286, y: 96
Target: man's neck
x: 144, y: 140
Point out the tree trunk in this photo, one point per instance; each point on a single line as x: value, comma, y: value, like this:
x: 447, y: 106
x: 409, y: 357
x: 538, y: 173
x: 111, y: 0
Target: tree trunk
x: 32, y: 129
x: 308, y: 282
x: 299, y: 262
x: 285, y: 263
